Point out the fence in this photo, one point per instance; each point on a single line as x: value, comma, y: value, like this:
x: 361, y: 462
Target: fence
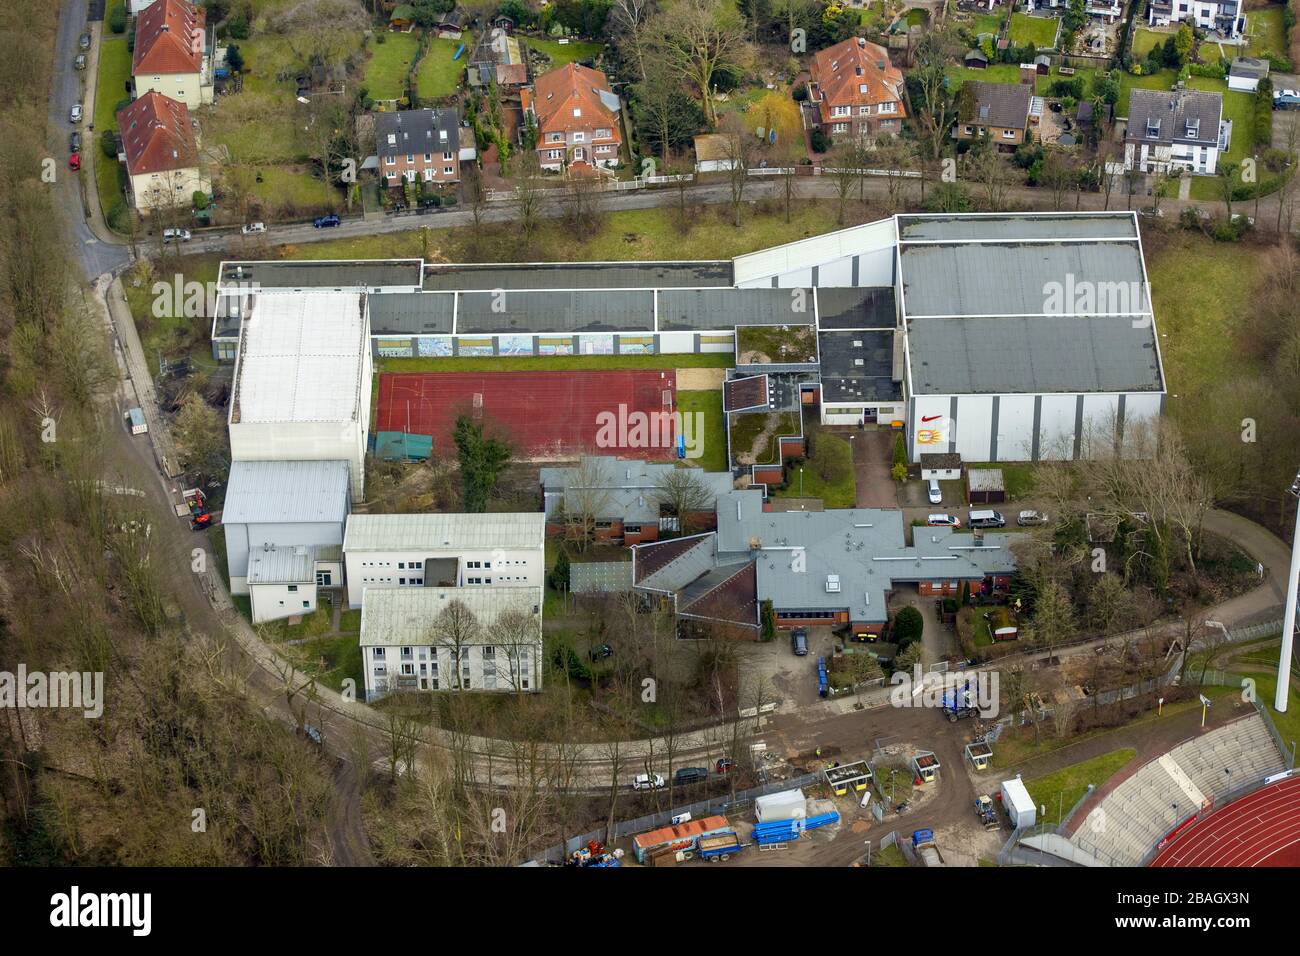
x: 834, y: 170
x: 623, y: 828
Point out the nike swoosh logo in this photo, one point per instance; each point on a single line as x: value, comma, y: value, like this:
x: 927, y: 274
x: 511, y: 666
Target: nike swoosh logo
x: 930, y: 418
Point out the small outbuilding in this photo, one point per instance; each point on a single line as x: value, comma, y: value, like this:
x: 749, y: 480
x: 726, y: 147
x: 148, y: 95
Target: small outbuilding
x: 940, y: 466
x: 1245, y: 73
x: 1018, y: 803
x: 984, y: 486
x: 975, y: 60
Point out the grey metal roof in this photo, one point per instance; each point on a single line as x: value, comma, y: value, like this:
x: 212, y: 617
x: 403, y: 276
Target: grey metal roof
x: 1164, y: 117
x: 578, y: 275
x: 282, y: 565
x: 444, y: 532
x: 627, y: 489
x: 689, y: 309
x: 985, y: 479
x: 600, y: 577
x: 696, y: 557
x: 858, y: 367
x: 1017, y: 278
x: 397, y: 617
x: 412, y: 313
x: 529, y: 311
x: 858, y: 308
x: 408, y: 132
x: 324, y: 274
x: 286, y: 492
x: 1000, y: 227
x: 1039, y: 354
x: 1249, y: 66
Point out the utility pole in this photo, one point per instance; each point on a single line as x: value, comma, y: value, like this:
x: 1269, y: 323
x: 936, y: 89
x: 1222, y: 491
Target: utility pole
x: 1288, y: 618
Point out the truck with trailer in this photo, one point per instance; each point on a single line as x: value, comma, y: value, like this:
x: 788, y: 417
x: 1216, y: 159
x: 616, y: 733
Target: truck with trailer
x: 926, y: 849
x: 720, y: 847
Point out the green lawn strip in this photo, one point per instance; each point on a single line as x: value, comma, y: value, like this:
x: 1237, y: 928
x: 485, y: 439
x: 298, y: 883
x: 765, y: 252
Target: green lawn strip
x: 833, y: 454
x: 315, y: 624
x: 562, y: 54
x: 350, y: 621
x: 545, y: 363
x: 330, y: 660
x: 988, y: 23
x: 439, y: 75
x: 390, y: 61
x: 295, y: 188
x: 169, y: 331
x: 709, y: 430
x: 747, y: 426
x: 110, y: 89
x: 1060, y: 791
x: 1144, y: 41
x: 1288, y: 724
x: 1040, y: 31
x: 1008, y: 73
x: 1164, y: 80
x: 1017, y: 477
x: 1267, y: 30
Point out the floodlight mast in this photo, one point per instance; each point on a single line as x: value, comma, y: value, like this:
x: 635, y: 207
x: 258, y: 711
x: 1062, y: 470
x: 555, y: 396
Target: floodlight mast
x: 1288, y: 619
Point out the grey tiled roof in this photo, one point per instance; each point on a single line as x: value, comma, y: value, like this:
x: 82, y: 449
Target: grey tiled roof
x: 417, y: 132
x: 1168, y: 113
x: 998, y: 104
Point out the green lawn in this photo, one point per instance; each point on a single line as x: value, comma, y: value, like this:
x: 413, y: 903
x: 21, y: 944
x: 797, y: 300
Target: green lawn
x: 256, y: 128
x: 565, y: 53
x: 1267, y: 30
x: 110, y: 89
x: 1040, y: 31
x: 833, y: 455
x: 1060, y: 791
x: 330, y: 660
x: 439, y: 75
x: 390, y: 61
x: 1164, y: 80
x: 296, y: 188
x: 994, y: 73
x: 1144, y: 41
x: 987, y: 23
x: 1017, y: 478
x: 711, y: 428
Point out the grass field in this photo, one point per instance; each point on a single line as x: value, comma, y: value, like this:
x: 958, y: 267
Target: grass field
x: 1164, y: 80
x: 710, y: 429
x: 1144, y: 41
x: 1040, y: 31
x: 110, y: 89
x: 439, y: 75
x: 296, y: 187
x: 390, y: 61
x: 1267, y: 30
x: 841, y: 491
x: 1060, y: 791
x: 565, y: 53
x: 987, y: 23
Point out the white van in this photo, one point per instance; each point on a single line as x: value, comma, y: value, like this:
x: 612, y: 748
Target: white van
x: 986, y: 519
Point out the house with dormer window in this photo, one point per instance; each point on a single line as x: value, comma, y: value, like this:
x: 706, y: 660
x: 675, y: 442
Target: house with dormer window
x: 418, y: 146
x: 1175, y: 130
x: 857, y: 92
x: 577, y: 117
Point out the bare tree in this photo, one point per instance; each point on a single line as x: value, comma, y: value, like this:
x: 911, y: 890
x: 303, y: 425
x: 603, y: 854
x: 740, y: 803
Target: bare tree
x: 587, y: 499
x: 456, y: 628
x: 682, y: 493
x: 739, y: 148
x: 699, y: 39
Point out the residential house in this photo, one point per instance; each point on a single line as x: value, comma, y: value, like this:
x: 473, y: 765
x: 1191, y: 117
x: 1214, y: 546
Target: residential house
x: 1107, y: 10
x: 836, y: 568
x: 427, y: 639
x: 577, y: 118
x: 443, y: 550
x: 283, y: 523
x: 419, y: 145
x: 1175, y: 130
x: 1000, y: 111
x: 857, y: 92
x: 1227, y: 18
x: 170, y: 55
x: 627, y: 500
x: 1246, y: 72
x: 160, y: 153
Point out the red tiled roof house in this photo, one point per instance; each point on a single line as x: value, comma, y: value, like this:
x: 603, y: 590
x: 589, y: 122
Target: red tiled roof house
x: 161, y: 154
x: 169, y: 56
x: 577, y: 118
x: 857, y: 92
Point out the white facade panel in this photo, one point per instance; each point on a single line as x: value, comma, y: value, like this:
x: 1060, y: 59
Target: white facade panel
x: 1056, y: 427
x: 930, y: 429
x: 497, y: 567
x: 798, y: 258
x: 974, y: 427
x: 1015, y: 428
x: 1099, y: 419
x: 271, y: 602
x: 677, y: 342
x: 836, y: 273
x: 305, y: 441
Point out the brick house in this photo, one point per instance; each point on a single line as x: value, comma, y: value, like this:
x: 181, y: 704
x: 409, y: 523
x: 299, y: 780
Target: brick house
x: 858, y: 93
x: 418, y: 145
x: 577, y: 118
x: 1000, y: 110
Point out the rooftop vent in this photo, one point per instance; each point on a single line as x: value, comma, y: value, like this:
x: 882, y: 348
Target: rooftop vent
x: 832, y: 584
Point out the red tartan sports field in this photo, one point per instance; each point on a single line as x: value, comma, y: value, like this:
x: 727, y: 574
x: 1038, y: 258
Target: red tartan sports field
x: 545, y: 415
x: 1260, y: 829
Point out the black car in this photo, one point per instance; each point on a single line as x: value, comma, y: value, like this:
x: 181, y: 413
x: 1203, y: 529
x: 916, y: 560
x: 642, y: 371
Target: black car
x: 84, y: 41
x: 325, y: 222
x: 690, y: 775
x: 74, y: 142
x: 799, y: 642
x: 601, y: 651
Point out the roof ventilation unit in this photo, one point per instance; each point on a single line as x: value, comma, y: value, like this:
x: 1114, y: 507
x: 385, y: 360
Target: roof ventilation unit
x: 832, y: 584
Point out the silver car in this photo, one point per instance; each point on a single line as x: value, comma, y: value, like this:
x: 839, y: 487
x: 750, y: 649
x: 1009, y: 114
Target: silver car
x: 75, y: 114
x: 1028, y: 519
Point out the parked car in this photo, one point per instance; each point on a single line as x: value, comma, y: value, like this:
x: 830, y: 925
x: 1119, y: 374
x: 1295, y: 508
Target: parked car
x: 936, y: 494
x: 325, y: 222
x: 79, y: 63
x: 690, y: 775
x: 1028, y: 519
x: 74, y: 162
x: 799, y: 642
x: 74, y: 142
x: 943, y: 521
x: 643, y: 781
x: 724, y: 765
x: 176, y: 235
x: 75, y: 114
x: 83, y: 41
x: 986, y: 519
x: 1151, y: 212
x: 1286, y: 99
x: 253, y: 227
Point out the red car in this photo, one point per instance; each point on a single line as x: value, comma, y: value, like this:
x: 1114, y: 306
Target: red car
x: 724, y: 765
x: 74, y: 161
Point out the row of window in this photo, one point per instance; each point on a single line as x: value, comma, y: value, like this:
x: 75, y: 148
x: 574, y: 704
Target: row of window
x: 578, y: 136
x: 410, y: 158
x: 881, y: 109
x: 488, y: 652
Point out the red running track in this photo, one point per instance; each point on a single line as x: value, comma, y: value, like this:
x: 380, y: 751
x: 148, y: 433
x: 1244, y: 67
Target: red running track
x: 543, y: 414
x: 1261, y: 829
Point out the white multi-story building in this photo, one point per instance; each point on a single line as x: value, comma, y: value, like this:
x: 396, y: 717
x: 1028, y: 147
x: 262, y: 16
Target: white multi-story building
x: 444, y: 551
x: 468, y: 638
x: 302, y: 380
x: 1226, y: 18
x: 1175, y: 130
